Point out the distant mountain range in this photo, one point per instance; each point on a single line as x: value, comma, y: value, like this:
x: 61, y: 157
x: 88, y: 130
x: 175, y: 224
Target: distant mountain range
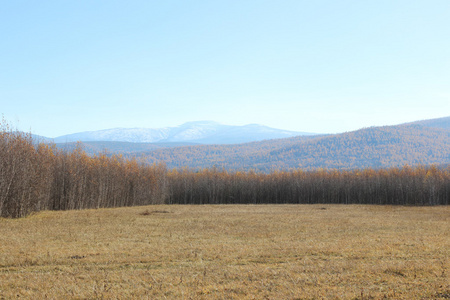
x: 193, y: 145
x: 422, y: 142
x: 203, y: 132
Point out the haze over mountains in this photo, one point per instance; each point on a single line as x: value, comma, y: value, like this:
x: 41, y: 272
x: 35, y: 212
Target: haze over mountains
x: 192, y: 145
x: 202, y: 132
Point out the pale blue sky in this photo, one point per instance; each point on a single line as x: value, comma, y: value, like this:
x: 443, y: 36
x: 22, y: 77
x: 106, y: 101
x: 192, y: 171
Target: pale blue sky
x: 316, y: 66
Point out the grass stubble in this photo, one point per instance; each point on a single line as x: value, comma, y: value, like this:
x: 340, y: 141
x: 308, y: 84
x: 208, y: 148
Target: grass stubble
x: 228, y: 252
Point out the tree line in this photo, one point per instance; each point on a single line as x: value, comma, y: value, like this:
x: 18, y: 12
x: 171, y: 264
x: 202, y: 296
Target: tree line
x: 42, y: 177
x: 394, y: 186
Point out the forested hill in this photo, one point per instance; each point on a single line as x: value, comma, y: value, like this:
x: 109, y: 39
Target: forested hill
x: 375, y: 147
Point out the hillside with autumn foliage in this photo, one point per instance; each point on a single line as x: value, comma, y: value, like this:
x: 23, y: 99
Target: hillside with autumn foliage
x: 418, y: 143
x: 375, y: 147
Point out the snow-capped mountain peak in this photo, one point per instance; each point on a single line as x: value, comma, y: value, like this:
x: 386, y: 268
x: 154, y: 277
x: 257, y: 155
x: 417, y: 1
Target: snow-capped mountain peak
x: 204, y: 132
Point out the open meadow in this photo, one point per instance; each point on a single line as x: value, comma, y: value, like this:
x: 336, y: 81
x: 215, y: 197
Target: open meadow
x: 228, y: 252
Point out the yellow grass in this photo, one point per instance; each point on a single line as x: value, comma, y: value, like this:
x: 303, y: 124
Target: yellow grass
x: 228, y: 252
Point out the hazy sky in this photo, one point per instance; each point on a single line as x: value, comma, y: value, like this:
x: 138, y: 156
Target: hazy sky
x: 316, y: 66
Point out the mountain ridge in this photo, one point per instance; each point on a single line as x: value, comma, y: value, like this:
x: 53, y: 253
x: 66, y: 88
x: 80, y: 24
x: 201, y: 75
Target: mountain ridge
x: 373, y: 147
x: 201, y: 132
x: 422, y: 142
x: 443, y: 123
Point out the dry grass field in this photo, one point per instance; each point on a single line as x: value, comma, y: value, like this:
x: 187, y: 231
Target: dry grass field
x: 228, y: 252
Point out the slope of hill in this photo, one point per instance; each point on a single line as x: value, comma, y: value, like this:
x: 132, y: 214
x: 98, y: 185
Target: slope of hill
x: 41, y: 139
x: 422, y: 142
x: 442, y: 123
x: 204, y: 132
x: 125, y: 148
x: 375, y: 147
x: 255, y: 155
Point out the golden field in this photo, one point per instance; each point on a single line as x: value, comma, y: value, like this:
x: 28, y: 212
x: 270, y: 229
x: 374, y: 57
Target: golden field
x: 228, y: 252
